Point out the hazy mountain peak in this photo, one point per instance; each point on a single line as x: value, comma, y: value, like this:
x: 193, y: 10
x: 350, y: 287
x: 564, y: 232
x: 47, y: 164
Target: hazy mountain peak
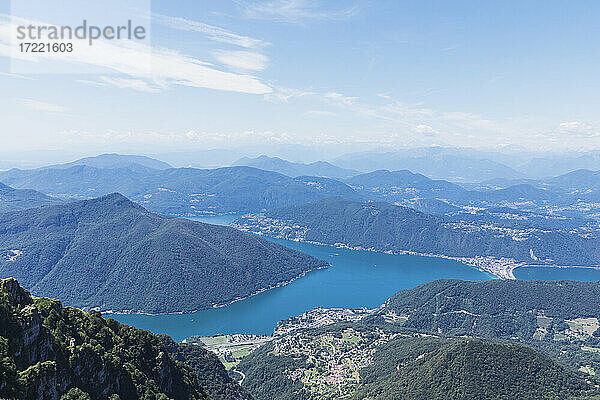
x: 295, y: 169
x: 114, y: 160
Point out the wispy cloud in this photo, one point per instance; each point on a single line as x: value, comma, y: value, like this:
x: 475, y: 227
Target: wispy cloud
x: 296, y: 11
x: 283, y: 95
x: 425, y: 130
x: 44, y: 107
x: 241, y: 60
x: 18, y: 76
x: 91, y: 83
x: 577, y: 129
x: 340, y: 99
x: 134, y: 84
x: 320, y: 113
x: 212, y: 32
x: 159, y: 67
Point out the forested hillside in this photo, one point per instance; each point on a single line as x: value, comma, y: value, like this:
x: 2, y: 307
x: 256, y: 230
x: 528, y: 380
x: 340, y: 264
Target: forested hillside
x: 113, y: 254
x: 378, y: 362
x: 19, y: 199
x: 212, y: 375
x: 49, y: 352
x: 387, y: 227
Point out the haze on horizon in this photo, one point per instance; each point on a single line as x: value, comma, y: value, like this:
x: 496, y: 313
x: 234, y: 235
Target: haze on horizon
x: 324, y: 78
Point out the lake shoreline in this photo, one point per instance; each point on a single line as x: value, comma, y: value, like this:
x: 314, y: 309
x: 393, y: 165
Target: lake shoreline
x: 218, y: 305
x: 501, y: 268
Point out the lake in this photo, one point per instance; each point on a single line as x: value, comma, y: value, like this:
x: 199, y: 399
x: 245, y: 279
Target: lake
x: 356, y: 279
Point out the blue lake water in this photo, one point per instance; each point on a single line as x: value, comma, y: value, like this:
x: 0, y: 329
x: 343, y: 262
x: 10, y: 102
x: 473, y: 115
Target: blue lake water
x: 557, y: 274
x: 356, y: 279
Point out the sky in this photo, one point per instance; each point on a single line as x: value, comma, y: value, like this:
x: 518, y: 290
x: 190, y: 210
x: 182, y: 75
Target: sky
x: 341, y: 75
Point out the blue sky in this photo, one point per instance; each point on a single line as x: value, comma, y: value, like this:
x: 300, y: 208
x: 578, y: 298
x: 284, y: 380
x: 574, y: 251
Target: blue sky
x: 346, y: 75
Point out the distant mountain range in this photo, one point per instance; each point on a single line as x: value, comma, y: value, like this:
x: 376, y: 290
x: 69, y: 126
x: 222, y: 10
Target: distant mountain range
x: 112, y: 161
x: 472, y: 165
x: 406, y: 184
x: 386, y: 227
x: 19, y: 199
x: 115, y: 255
x: 50, y: 352
x: 319, y: 168
x: 179, y: 191
x: 190, y: 191
x: 436, y: 163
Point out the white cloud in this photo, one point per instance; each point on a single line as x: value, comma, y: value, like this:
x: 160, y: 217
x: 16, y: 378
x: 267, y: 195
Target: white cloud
x: 338, y: 98
x: 44, y: 107
x: 212, y: 32
x: 296, y: 11
x: 577, y: 129
x: 135, y: 84
x: 283, y: 95
x: 191, y: 137
x: 425, y: 130
x: 18, y: 76
x: 91, y: 83
x: 141, y: 62
x: 241, y: 60
x: 320, y: 113
x: 403, y: 109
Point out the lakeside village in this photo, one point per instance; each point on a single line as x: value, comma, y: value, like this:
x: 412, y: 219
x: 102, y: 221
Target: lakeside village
x: 334, y: 358
x: 232, y: 348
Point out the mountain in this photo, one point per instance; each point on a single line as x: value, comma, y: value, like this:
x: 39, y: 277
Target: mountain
x: 405, y: 184
x: 49, y: 351
x: 544, y: 167
x: 19, y: 199
x: 540, y: 314
x: 492, y: 309
x: 214, y: 158
x: 392, y: 365
x: 386, y: 227
x: 466, y: 369
x: 581, y: 180
x: 117, y: 256
x: 177, y: 191
x: 113, y: 160
x: 521, y: 192
x: 438, y: 163
x: 318, y: 168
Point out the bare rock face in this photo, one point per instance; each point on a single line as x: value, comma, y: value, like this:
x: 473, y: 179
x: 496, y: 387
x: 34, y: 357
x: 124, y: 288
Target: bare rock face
x: 14, y: 294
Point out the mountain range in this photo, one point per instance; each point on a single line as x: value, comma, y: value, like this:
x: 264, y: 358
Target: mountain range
x: 385, y: 227
x: 292, y: 169
x: 438, y: 163
x: 176, y: 191
x: 112, y: 161
x: 118, y: 256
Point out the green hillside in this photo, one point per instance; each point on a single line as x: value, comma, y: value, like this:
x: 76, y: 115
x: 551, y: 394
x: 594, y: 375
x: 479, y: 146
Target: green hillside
x: 386, y: 227
x: 50, y: 352
x: 19, y: 199
x: 117, y: 256
x: 374, y: 362
x: 418, y: 369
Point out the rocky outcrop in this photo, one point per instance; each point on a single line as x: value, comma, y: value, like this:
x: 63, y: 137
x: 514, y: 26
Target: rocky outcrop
x: 48, y: 352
